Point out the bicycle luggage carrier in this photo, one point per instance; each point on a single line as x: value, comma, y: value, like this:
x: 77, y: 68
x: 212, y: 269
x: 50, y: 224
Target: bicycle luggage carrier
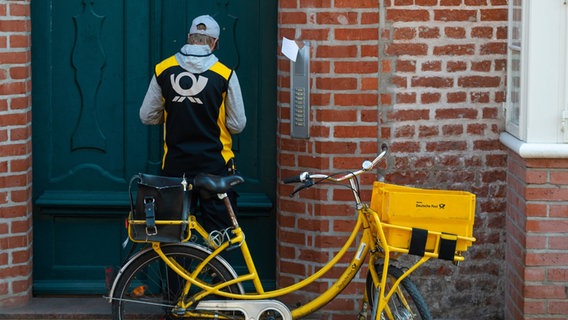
x: 425, y: 220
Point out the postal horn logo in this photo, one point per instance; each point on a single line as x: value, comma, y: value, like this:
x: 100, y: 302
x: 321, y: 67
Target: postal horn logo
x: 197, y: 85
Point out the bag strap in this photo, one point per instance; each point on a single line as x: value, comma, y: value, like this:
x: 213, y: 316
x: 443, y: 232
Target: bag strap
x: 150, y: 212
x: 134, y: 178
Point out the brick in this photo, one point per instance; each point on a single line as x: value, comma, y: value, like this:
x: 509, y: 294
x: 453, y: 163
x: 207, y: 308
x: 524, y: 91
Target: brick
x: 361, y: 34
x: 456, y: 97
x: 455, y: 32
x: 546, y: 194
x: 356, y: 99
x: 558, y: 307
x: 547, y: 259
x: 337, y: 115
x: 475, y: 2
x: 346, y: 83
x: 534, y: 307
x: 407, y: 15
x: 481, y: 66
x: 315, y: 3
x: 404, y: 33
x: 547, y: 226
x: 407, y: 131
x: 361, y: 132
x: 432, y: 82
x: 369, y: 18
x: 15, y: 25
x: 452, y: 130
x: 559, y: 177
x: 455, y: 50
x: 429, y: 98
x: 293, y: 17
x: 455, y: 15
x: 494, y: 14
x: 456, y: 113
x: 558, y: 243
x: 359, y: 4
x: 449, y: 3
x: 456, y: 66
x: 13, y: 88
x: 336, y: 147
x: 411, y: 49
x: 341, y: 18
x: 479, y: 97
x: 557, y: 274
x: 371, y: 84
x: 479, y: 82
x: 432, y: 66
x: 493, y: 48
x: 482, y: 32
x: 441, y: 146
x: 20, y: 10
x: 558, y: 211
x: 315, y: 34
x: 410, y: 115
x: 426, y: 3
x: 21, y: 103
x: 406, y: 66
x: 360, y: 67
x: 429, y: 32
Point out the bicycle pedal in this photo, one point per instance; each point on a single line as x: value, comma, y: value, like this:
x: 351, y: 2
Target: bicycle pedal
x: 251, y: 309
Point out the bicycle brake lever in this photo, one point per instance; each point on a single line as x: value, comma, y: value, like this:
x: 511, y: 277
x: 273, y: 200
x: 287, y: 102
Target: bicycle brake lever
x: 308, y: 183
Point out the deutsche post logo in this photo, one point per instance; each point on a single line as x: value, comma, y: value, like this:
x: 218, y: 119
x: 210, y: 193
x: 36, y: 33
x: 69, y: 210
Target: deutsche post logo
x: 197, y: 85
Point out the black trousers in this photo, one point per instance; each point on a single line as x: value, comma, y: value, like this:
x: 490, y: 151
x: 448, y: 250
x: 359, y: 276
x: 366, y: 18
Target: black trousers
x: 211, y: 211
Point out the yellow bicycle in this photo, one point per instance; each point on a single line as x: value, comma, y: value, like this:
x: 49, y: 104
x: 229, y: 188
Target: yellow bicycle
x: 187, y: 280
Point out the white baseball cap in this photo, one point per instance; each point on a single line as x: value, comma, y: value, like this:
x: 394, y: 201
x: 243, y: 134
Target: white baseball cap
x: 211, y: 26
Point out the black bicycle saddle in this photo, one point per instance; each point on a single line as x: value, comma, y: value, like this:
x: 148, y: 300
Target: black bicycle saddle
x: 216, y: 184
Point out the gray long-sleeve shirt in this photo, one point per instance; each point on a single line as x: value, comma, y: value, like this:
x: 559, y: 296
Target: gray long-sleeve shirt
x: 196, y: 59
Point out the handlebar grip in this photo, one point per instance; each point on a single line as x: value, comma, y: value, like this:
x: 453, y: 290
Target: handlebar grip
x: 292, y: 179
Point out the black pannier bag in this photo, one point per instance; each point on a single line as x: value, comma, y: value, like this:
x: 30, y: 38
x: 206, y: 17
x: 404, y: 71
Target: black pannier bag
x: 160, y: 211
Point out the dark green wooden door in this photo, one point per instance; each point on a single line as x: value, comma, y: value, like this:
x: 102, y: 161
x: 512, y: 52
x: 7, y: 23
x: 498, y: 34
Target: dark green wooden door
x: 92, y: 61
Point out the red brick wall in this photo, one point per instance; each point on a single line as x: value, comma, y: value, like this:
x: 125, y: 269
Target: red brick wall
x: 537, y: 238
x: 427, y: 77
x: 15, y: 154
x: 343, y: 133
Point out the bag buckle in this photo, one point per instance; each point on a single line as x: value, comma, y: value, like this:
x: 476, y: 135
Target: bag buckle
x: 151, y: 231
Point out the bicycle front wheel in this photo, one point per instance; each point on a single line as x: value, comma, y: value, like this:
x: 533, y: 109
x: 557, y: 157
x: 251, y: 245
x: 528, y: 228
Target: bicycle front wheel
x: 406, y: 302
x: 149, y: 289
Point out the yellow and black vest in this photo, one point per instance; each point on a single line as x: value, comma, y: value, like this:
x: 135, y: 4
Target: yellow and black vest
x: 195, y: 136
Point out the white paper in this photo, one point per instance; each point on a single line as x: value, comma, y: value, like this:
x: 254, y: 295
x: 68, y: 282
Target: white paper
x: 290, y: 49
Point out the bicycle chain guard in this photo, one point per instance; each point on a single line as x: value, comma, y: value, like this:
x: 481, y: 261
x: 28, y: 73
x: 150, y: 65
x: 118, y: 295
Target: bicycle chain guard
x: 252, y: 310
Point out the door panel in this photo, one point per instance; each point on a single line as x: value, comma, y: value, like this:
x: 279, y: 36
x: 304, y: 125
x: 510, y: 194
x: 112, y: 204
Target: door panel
x: 92, y: 61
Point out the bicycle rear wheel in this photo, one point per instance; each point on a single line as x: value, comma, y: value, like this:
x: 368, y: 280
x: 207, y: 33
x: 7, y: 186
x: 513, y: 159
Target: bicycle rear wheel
x: 406, y: 303
x: 149, y: 289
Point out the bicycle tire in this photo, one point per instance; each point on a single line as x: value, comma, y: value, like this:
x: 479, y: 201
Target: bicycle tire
x: 418, y: 307
x: 148, y: 289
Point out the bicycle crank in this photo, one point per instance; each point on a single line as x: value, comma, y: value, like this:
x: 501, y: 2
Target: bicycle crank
x: 251, y: 309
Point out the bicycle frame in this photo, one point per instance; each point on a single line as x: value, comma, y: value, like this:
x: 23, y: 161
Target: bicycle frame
x: 372, y: 240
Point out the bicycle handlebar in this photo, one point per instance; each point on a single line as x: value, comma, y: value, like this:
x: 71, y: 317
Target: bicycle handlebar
x: 366, y: 166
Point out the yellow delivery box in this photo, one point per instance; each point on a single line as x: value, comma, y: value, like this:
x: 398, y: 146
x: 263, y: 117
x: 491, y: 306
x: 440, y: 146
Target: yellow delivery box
x: 442, y: 211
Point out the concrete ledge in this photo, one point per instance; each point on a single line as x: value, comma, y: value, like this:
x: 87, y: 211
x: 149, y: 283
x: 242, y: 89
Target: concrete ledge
x: 534, y: 150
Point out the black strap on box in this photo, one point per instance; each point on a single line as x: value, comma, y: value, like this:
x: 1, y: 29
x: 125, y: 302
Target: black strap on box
x: 418, y: 242
x: 150, y: 211
x: 447, y: 246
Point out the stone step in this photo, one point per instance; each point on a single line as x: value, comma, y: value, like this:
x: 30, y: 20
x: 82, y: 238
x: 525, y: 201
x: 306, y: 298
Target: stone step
x: 66, y: 307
